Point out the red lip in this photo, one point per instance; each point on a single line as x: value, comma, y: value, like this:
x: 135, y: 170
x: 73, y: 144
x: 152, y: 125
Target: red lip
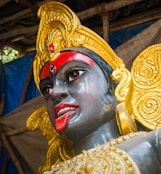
x: 62, y: 114
x: 63, y: 106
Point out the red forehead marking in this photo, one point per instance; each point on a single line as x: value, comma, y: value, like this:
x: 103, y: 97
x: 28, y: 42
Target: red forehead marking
x: 61, y: 59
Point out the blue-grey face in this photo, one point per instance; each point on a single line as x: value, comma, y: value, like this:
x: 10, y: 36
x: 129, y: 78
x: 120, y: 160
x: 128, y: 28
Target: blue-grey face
x: 77, y: 98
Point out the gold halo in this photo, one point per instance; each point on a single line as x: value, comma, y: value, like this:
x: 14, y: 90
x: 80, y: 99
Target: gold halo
x: 146, y: 96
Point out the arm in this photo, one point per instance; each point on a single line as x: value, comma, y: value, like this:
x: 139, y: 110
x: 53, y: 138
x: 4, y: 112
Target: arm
x: 145, y: 150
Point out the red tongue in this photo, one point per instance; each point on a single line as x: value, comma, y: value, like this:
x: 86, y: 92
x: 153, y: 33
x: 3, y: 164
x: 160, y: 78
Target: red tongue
x: 62, y: 121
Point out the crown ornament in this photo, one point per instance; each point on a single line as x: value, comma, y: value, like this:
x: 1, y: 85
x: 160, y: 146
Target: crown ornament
x: 60, y: 28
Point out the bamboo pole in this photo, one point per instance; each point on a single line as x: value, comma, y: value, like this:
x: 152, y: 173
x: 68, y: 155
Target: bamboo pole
x: 106, y: 27
x: 28, y: 4
x: 124, y: 23
x: 15, y: 131
x: 11, y: 153
x: 4, y: 2
x: 17, y: 16
x: 2, y: 102
x: 132, y: 21
x: 129, y: 50
x: 26, y: 86
x: 23, y: 13
x: 136, y: 19
x: 4, y: 163
x: 113, y: 5
x: 17, y: 32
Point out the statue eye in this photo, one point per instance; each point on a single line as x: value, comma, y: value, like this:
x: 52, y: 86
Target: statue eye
x: 74, y: 74
x: 45, y: 90
x: 45, y: 86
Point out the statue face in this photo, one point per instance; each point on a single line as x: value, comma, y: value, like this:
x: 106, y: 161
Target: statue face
x: 76, y: 94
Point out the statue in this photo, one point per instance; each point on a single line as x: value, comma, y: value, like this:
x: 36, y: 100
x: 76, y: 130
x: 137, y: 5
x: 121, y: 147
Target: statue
x: 92, y: 100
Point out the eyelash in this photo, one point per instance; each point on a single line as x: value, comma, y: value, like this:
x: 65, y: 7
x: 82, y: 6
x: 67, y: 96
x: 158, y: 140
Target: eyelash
x: 74, y: 74
x: 71, y: 76
x: 45, y: 90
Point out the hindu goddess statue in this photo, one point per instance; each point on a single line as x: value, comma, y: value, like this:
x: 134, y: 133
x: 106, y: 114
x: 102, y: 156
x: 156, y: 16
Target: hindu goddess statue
x: 98, y: 116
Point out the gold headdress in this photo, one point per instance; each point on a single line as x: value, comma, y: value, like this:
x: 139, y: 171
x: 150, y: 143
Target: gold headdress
x: 60, y: 28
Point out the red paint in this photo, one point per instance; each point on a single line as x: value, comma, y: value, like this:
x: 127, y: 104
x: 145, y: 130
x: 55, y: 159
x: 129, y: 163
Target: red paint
x: 62, y: 120
x: 63, y: 58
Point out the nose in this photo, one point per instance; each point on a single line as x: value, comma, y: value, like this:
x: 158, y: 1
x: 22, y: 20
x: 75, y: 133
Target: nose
x: 58, y: 93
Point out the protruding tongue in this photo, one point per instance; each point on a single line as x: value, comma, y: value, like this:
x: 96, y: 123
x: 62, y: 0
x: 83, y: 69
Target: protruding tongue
x: 62, y: 121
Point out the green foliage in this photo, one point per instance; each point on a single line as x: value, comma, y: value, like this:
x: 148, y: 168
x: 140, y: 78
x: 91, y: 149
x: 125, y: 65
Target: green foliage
x: 8, y: 54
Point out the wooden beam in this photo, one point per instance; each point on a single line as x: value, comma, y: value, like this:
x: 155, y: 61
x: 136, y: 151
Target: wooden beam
x: 12, y: 154
x: 30, y: 49
x: 136, y: 19
x: 28, y: 4
x: 16, y: 16
x: 124, y: 23
x: 17, y: 32
x: 4, y: 2
x: 132, y: 21
x: 129, y: 50
x: 15, y: 39
x: 43, y: 2
x: 106, y: 7
x: 23, y: 14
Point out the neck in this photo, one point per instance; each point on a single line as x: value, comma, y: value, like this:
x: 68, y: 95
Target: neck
x: 100, y: 136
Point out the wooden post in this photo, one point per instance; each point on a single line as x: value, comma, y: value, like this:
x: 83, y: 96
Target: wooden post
x: 2, y: 102
x: 12, y: 154
x: 106, y: 31
x: 22, y: 101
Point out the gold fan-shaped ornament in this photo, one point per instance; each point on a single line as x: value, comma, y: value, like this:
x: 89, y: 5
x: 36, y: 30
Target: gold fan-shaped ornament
x: 146, y: 92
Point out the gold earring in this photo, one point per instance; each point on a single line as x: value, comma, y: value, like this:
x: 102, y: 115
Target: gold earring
x: 125, y: 121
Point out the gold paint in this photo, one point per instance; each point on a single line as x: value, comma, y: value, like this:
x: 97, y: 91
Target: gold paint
x: 60, y: 27
x: 146, y: 89
x: 59, y: 149
x: 125, y: 121
x: 138, y: 91
x: 102, y: 159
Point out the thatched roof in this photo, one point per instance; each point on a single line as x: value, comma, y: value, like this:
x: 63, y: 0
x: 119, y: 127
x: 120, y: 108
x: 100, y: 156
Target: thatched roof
x: 19, y: 22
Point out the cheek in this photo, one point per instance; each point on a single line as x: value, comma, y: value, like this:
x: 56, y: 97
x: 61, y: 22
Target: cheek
x: 88, y: 90
x: 50, y: 109
x: 82, y: 88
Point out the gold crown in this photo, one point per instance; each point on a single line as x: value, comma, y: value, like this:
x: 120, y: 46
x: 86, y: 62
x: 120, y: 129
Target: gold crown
x: 60, y: 28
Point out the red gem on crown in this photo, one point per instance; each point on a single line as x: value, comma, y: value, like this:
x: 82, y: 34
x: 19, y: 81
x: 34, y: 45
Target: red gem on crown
x: 51, y: 48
